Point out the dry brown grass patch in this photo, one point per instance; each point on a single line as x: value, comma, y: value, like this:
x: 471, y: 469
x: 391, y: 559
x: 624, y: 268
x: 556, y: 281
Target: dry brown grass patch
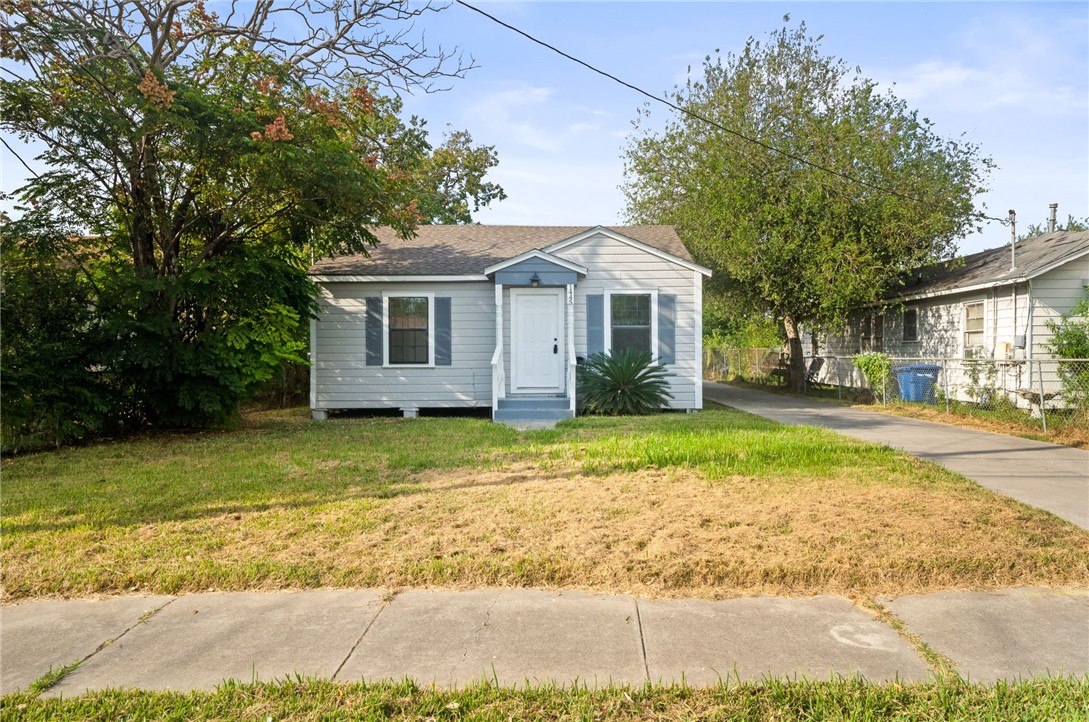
x: 653, y: 532
x: 1060, y: 431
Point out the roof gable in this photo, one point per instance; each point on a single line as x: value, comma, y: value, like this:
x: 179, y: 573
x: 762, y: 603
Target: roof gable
x: 627, y: 240
x: 447, y: 250
x: 540, y: 255
x: 1035, y: 256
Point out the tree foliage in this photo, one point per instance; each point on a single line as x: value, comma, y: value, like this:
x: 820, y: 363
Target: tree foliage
x: 1070, y: 340
x: 1039, y: 229
x: 204, y: 161
x: 803, y: 243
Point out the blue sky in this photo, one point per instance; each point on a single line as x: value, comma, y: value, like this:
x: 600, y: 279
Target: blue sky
x: 1012, y: 77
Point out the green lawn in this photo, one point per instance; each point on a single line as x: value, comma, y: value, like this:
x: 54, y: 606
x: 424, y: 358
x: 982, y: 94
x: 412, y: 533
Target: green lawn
x: 715, y: 504
x: 1055, y: 700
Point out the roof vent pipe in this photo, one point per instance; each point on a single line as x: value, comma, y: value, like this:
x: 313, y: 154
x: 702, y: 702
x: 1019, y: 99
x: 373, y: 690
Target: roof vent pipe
x: 1013, y: 239
x: 1051, y: 217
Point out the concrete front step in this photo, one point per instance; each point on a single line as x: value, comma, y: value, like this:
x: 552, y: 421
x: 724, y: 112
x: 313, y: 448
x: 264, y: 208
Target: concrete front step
x: 516, y: 415
x: 535, y: 402
x: 530, y: 409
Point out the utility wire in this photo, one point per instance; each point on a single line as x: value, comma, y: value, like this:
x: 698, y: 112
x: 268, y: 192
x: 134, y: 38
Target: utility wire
x: 709, y: 121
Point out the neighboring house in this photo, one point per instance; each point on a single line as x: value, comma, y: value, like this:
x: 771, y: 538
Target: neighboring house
x: 978, y: 305
x: 994, y: 304
x: 497, y: 317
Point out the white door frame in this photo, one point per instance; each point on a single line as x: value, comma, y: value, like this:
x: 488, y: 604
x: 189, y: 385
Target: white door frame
x: 515, y: 294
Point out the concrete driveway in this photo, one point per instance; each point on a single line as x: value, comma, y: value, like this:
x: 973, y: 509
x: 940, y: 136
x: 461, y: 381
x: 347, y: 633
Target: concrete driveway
x: 1054, y: 478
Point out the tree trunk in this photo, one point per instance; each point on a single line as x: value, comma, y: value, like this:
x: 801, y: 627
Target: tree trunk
x: 797, y: 360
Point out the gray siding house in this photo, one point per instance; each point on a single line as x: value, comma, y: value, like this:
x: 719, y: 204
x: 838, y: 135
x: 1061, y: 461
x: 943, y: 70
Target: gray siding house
x: 497, y: 317
x: 985, y: 305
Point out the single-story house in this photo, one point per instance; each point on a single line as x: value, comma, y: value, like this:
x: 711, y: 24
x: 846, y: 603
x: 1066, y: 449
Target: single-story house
x: 498, y: 316
x: 993, y: 304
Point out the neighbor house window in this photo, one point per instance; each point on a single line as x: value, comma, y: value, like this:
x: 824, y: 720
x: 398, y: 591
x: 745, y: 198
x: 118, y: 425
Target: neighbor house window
x: 864, y: 327
x: 973, y: 326
x: 911, y: 325
x: 630, y: 324
x: 879, y: 332
x: 408, y: 329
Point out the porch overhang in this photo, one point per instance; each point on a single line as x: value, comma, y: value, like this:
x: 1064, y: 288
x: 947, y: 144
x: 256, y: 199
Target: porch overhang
x: 549, y: 270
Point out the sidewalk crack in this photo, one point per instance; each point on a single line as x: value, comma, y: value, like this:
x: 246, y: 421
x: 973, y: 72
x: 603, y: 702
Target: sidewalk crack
x: 642, y: 641
x: 937, y: 663
x: 143, y: 619
x: 476, y: 636
x: 386, y: 601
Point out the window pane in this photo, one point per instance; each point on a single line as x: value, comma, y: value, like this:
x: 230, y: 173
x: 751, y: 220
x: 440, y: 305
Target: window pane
x: 408, y: 312
x: 630, y: 322
x: 633, y: 337
x: 408, y: 330
x: 973, y: 325
x: 911, y: 325
x: 631, y: 310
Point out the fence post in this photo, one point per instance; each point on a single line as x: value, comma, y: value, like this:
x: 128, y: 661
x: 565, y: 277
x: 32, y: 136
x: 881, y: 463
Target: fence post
x: 839, y: 378
x: 945, y: 381
x: 1040, y: 380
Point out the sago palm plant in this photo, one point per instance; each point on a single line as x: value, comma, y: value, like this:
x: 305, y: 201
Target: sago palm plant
x: 627, y: 382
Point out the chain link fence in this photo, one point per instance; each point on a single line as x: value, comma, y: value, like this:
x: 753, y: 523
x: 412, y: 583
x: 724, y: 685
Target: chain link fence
x: 1037, y: 388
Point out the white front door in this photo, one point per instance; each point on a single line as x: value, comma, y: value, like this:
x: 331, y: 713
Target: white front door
x: 536, y: 339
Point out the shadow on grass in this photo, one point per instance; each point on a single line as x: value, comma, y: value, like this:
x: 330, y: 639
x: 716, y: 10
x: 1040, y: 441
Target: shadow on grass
x: 288, y: 463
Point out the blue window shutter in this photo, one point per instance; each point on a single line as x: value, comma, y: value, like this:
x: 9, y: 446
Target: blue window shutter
x: 595, y: 324
x: 667, y: 328
x: 374, y: 331
x: 443, y: 339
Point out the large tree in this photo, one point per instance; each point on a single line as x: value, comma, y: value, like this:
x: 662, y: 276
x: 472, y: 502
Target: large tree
x: 195, y: 163
x: 806, y: 189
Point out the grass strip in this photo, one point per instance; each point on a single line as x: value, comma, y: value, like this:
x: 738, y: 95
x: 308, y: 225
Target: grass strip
x: 939, y: 664
x: 51, y: 678
x: 1056, y: 699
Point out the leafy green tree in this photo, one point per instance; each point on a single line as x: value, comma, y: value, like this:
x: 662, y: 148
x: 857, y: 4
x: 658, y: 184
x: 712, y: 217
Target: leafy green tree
x: 211, y: 159
x: 805, y: 244
x: 50, y: 346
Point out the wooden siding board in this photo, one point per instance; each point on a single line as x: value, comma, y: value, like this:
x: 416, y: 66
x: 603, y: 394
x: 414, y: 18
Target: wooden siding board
x: 615, y: 266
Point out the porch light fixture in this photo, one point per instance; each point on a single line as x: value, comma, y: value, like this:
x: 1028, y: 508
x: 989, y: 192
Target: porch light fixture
x: 535, y: 280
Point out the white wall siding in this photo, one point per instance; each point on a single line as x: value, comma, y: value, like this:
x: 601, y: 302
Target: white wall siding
x: 940, y: 326
x: 1054, y: 294
x: 343, y: 380
x: 616, y: 266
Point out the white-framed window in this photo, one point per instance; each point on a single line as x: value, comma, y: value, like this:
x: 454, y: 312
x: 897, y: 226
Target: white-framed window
x: 408, y: 329
x: 911, y: 325
x: 973, y: 327
x: 631, y: 321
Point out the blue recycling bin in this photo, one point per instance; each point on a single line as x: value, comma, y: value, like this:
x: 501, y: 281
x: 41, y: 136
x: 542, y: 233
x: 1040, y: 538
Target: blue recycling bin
x: 917, y: 382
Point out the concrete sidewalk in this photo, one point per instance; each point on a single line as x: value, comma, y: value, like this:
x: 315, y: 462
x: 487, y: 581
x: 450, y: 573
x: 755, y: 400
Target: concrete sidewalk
x: 1055, y: 478
x: 517, y: 637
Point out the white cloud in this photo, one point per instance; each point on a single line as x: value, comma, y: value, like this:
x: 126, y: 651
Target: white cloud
x: 556, y: 191
x: 1007, y: 63
x: 527, y: 117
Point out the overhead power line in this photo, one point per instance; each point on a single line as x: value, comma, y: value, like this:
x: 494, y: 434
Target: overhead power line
x: 704, y: 119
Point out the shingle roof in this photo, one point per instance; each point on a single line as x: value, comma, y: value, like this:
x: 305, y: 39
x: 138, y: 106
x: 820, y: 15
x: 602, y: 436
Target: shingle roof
x: 1034, y: 256
x: 468, y: 250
